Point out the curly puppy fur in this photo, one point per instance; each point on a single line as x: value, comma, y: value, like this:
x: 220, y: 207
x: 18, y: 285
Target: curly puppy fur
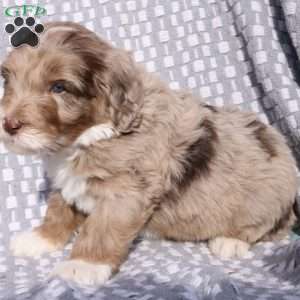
x: 126, y: 154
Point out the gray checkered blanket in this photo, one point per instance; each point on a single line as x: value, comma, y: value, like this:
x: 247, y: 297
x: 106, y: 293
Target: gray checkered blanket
x: 242, y: 52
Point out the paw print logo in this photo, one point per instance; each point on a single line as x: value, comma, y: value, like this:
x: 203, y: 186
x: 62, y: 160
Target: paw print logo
x: 23, y: 34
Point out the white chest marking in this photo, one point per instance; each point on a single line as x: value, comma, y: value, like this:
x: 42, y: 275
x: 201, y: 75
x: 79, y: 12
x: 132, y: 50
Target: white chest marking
x: 59, y: 168
x: 74, y: 189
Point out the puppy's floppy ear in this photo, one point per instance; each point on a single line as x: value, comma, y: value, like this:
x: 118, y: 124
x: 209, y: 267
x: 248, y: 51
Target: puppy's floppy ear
x: 124, y: 90
x: 107, y: 72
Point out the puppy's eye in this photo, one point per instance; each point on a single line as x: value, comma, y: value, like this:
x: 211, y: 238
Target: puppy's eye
x: 58, y: 88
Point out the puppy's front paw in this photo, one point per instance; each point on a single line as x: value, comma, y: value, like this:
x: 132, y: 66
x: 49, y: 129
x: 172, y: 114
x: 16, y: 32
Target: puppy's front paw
x: 228, y: 247
x: 82, y: 272
x: 30, y: 243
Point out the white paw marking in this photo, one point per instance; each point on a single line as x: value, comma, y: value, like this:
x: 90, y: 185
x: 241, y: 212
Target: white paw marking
x: 94, y: 134
x: 228, y: 247
x: 83, y: 273
x: 30, y: 243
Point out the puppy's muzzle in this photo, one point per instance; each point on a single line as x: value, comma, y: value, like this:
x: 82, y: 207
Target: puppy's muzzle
x: 11, y: 125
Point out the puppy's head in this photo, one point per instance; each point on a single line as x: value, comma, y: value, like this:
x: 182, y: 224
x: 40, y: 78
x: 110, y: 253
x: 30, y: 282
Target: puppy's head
x: 72, y: 81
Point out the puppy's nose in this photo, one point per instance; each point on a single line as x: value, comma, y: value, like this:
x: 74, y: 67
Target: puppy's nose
x: 11, y: 126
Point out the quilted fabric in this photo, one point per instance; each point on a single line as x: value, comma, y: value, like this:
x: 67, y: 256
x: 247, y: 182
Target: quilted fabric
x: 241, y: 52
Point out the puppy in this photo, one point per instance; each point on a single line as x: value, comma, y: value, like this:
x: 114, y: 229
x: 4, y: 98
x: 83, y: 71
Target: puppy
x: 128, y: 155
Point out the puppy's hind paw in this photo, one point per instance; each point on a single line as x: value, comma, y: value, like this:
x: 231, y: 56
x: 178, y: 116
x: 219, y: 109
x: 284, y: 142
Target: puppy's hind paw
x: 82, y: 272
x: 225, y: 248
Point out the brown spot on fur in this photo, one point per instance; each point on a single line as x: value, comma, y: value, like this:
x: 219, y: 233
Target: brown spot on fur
x: 199, y: 155
x: 261, y: 134
x: 211, y: 108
